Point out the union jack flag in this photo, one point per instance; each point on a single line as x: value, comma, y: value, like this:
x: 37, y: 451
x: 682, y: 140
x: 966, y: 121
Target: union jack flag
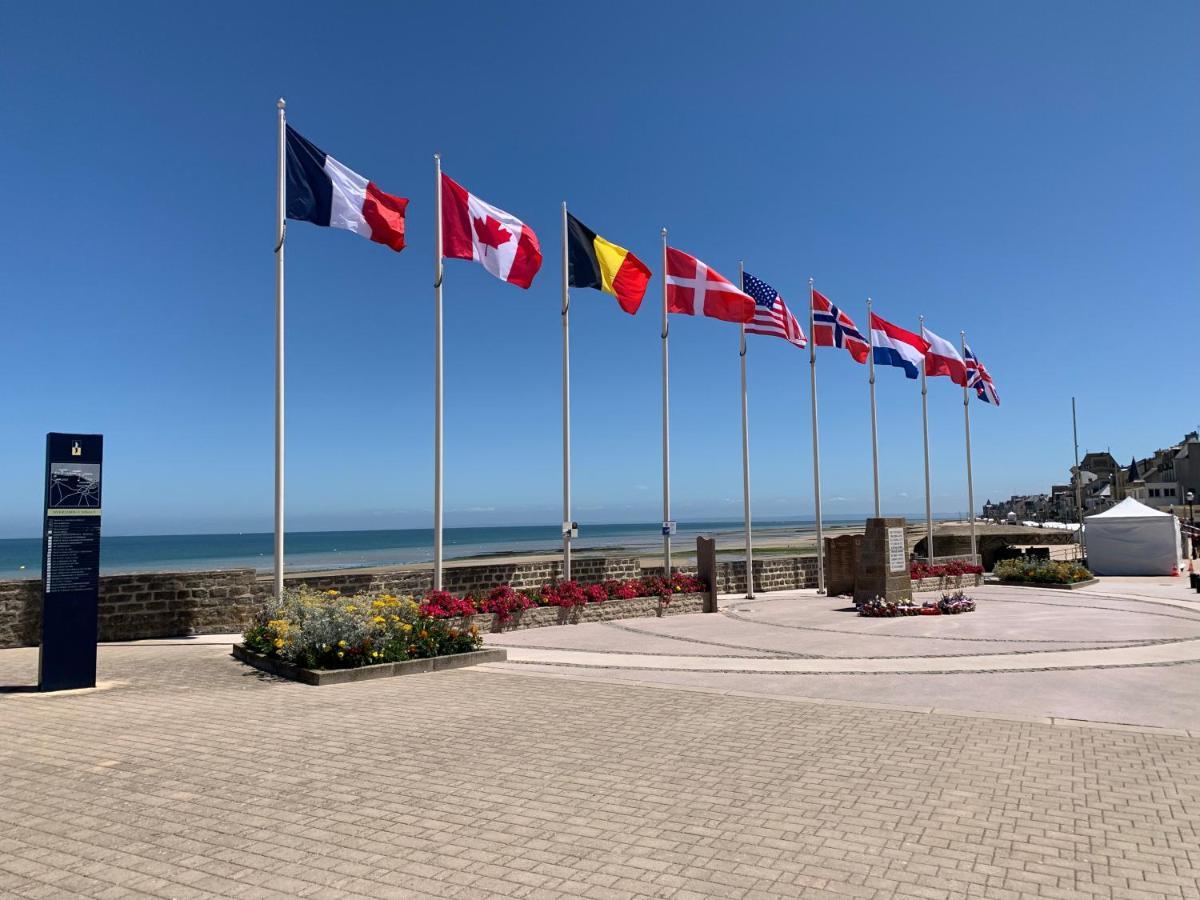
x: 833, y: 328
x: 978, y: 378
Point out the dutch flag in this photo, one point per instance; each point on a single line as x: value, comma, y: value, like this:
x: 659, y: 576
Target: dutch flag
x: 893, y: 346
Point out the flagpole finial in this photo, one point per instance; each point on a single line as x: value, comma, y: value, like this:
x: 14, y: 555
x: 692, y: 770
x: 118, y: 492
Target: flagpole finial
x: 810, y: 281
x: 437, y: 157
x: 281, y: 103
x: 664, y: 233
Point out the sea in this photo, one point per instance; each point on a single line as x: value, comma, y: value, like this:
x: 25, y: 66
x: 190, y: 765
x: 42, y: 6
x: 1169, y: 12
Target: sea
x: 322, y: 550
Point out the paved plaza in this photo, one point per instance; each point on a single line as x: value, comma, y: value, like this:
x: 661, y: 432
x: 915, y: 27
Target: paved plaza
x: 1047, y: 745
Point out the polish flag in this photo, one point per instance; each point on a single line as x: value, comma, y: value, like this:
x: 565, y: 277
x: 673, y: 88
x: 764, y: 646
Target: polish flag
x: 942, y: 359
x: 473, y: 229
x: 323, y: 191
x: 692, y: 286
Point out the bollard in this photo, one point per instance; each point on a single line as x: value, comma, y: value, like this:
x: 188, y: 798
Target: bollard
x: 706, y: 571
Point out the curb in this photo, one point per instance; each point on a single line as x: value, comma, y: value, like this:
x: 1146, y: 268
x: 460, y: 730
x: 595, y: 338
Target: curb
x: 319, y: 677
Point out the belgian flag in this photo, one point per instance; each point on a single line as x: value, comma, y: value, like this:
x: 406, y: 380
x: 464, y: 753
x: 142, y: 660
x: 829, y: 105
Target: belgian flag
x: 597, y: 263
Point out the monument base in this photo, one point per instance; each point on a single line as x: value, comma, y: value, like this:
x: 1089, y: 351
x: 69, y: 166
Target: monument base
x: 883, y: 562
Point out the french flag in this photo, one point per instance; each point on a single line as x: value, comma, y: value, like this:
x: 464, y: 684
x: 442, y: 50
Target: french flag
x: 891, y: 345
x: 943, y: 359
x: 323, y: 191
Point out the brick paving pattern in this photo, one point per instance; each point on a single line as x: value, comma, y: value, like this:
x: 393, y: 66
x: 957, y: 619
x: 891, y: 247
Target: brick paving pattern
x: 196, y: 777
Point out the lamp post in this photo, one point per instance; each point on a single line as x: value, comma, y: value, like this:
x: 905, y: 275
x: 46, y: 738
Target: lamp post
x: 1190, y: 496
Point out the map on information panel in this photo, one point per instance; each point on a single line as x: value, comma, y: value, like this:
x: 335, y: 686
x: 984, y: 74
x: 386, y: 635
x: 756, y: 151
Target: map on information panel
x: 74, y: 485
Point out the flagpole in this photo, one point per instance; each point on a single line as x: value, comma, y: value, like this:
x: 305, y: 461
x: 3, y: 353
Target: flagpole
x: 816, y: 447
x: 746, y: 449
x: 967, y: 423
x: 280, y: 232
x: 666, y: 427
x: 566, y: 401
x: 925, y: 432
x: 438, y: 271
x: 874, y: 425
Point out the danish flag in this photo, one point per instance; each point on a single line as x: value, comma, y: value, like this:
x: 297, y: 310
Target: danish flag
x: 833, y: 328
x: 692, y: 286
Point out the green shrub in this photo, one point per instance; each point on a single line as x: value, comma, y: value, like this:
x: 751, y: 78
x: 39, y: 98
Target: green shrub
x: 1040, y: 571
x: 324, y: 630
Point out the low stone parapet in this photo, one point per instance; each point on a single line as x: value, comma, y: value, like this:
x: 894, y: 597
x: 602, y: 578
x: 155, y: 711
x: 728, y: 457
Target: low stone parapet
x: 609, y: 610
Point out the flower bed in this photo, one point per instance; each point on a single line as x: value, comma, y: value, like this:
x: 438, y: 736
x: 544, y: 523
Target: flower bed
x: 956, y: 568
x: 1021, y: 571
x: 323, y: 630
x: 949, y: 605
x: 505, y: 602
x: 315, y: 631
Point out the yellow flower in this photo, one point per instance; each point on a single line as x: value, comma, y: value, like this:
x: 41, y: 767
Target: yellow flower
x: 351, y: 608
x: 377, y: 604
x: 334, y: 593
x: 340, y: 654
x: 379, y: 620
x: 342, y: 644
x: 393, y: 619
x: 406, y: 628
x: 278, y: 643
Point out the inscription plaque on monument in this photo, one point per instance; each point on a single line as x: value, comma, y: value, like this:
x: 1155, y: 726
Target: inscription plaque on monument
x: 897, y: 555
x: 70, y: 561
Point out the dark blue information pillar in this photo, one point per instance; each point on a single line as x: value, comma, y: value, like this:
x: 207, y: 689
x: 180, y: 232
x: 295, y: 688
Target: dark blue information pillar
x: 70, y: 561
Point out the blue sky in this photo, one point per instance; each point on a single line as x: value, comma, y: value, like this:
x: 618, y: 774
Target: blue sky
x: 1024, y: 171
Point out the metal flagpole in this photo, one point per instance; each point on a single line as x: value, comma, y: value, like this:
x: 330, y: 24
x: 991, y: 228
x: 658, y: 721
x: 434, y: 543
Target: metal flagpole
x: 925, y: 431
x: 438, y: 271
x: 812, y: 378
x: 666, y: 433
x: 566, y: 401
x: 967, y: 423
x: 280, y: 232
x: 874, y: 426
x: 1078, y: 479
x: 746, y: 450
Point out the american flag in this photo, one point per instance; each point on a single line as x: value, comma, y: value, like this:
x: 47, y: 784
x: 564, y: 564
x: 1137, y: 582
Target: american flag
x: 978, y: 378
x: 833, y: 328
x: 771, y: 315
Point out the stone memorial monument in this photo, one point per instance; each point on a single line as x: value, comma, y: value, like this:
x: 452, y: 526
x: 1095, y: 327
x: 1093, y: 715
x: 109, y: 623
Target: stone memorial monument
x: 883, y: 562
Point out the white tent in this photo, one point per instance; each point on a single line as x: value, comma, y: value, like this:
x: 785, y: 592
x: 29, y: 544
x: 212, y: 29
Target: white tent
x: 1132, y: 539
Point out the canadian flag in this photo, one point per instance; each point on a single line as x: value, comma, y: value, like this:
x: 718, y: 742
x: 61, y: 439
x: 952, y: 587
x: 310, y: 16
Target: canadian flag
x: 692, y: 286
x: 473, y: 229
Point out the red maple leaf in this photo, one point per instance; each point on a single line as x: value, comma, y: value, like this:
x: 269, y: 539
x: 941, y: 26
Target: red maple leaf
x: 491, y: 233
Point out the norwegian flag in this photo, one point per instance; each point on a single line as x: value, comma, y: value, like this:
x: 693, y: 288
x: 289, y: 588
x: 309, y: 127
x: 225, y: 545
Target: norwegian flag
x: 692, y: 286
x: 833, y: 328
x: 978, y: 378
x: 771, y: 315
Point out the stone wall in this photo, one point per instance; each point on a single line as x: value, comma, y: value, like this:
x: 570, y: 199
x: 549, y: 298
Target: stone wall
x: 541, y: 616
x: 772, y: 573
x: 180, y: 603
x: 132, y: 607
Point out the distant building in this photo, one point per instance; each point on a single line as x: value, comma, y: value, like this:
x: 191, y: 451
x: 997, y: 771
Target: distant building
x: 1160, y: 481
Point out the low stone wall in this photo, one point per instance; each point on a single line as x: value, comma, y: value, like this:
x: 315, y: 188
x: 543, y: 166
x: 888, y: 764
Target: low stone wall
x: 947, y: 583
x: 181, y: 603
x: 132, y: 607
x: 772, y: 573
x: 609, y: 610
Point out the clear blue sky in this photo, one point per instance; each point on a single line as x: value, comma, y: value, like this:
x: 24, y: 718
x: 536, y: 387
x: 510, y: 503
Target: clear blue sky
x: 1024, y: 171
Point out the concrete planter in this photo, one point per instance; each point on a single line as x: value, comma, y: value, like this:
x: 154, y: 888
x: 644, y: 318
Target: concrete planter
x: 543, y: 616
x: 320, y: 677
x: 1074, y: 586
